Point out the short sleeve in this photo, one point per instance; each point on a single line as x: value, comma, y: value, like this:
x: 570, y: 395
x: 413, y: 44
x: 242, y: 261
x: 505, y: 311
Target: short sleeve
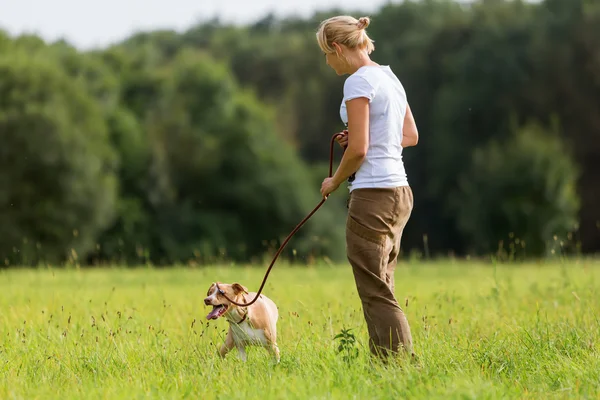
x: 357, y: 86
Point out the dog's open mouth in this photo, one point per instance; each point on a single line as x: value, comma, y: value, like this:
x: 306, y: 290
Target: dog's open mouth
x: 217, y: 311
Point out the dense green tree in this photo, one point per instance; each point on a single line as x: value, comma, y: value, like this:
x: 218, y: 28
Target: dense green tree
x: 566, y: 53
x: 220, y: 181
x: 218, y: 137
x: 56, y: 166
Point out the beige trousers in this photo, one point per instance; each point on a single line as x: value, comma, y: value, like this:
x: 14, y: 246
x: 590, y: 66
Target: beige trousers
x: 375, y: 222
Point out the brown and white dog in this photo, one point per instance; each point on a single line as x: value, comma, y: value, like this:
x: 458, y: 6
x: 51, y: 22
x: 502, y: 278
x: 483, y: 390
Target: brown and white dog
x: 253, y: 325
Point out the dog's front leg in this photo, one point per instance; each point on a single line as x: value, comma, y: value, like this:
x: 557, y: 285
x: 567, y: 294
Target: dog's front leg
x: 242, y: 351
x: 228, y: 345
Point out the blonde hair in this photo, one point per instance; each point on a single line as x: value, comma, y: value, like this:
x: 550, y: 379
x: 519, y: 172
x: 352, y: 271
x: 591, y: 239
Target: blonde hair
x: 345, y: 30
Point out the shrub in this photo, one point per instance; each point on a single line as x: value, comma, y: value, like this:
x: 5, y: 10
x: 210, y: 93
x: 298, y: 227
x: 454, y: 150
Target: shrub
x: 521, y: 191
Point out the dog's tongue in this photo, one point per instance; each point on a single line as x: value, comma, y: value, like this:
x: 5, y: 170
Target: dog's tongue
x: 215, y: 313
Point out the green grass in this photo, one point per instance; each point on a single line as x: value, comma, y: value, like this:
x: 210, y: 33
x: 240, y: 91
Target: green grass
x: 517, y: 331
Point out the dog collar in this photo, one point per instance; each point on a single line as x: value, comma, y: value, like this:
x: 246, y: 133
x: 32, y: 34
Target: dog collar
x: 241, y: 320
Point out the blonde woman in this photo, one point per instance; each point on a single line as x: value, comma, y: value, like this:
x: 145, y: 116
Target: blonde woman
x: 379, y: 125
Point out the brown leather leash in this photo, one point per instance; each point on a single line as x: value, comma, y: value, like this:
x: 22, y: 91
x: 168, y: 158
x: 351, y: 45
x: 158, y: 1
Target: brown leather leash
x: 290, y: 235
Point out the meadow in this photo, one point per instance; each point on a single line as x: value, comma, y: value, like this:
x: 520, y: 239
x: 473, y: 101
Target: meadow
x: 480, y: 330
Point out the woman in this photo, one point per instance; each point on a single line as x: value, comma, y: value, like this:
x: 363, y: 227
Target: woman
x: 379, y: 125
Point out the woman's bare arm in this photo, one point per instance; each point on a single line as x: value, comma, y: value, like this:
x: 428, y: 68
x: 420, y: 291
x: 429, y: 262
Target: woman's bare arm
x: 358, y: 139
x: 410, y: 134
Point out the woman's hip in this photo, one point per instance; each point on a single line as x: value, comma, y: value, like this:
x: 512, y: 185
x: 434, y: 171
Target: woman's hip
x: 379, y: 211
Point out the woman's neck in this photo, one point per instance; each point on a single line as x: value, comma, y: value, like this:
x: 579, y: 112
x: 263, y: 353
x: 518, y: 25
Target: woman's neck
x: 360, y: 59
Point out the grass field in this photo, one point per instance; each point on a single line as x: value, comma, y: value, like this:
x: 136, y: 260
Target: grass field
x: 512, y: 331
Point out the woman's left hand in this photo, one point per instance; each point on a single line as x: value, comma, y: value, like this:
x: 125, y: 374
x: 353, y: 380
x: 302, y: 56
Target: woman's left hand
x: 328, y: 186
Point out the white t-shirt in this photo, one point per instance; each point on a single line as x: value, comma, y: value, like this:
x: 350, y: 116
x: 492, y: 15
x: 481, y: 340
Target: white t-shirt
x: 383, y: 166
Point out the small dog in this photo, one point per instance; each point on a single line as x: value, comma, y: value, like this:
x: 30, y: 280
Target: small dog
x: 252, y: 325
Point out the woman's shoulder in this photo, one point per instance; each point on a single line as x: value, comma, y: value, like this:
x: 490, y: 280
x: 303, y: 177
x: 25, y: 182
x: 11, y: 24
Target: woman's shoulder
x: 372, y: 74
x: 358, y: 84
x: 363, y: 76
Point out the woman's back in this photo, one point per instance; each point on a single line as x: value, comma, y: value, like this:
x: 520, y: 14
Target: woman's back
x: 383, y: 165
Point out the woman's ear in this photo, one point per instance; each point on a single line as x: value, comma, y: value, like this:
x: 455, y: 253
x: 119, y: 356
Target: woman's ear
x: 338, y: 50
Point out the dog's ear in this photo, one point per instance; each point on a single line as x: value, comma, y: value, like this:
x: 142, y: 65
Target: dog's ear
x: 210, y: 289
x: 237, y: 288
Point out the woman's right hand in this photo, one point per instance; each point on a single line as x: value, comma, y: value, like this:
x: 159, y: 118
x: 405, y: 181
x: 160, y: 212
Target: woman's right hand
x: 343, y: 139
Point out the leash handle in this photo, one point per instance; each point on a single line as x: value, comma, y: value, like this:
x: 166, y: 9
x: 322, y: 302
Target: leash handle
x: 290, y: 235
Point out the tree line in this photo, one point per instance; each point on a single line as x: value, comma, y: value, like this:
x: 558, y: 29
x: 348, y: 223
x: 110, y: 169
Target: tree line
x: 211, y: 144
